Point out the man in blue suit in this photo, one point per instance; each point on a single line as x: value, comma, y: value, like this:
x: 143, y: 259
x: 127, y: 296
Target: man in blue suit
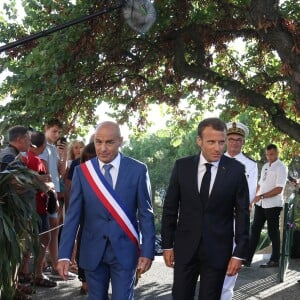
x: 206, y: 192
x: 112, y: 194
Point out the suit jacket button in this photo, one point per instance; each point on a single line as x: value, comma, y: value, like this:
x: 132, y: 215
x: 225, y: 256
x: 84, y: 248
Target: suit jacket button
x: 105, y: 237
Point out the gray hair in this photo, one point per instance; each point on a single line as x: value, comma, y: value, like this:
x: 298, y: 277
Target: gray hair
x: 16, y: 132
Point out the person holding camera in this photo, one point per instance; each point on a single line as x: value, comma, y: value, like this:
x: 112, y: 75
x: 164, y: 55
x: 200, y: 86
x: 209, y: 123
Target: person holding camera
x: 55, y: 160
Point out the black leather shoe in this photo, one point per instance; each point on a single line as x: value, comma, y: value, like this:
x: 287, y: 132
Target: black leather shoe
x: 270, y: 264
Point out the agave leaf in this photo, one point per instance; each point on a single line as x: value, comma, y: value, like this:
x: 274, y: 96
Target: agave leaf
x: 8, y: 229
x: 18, y: 222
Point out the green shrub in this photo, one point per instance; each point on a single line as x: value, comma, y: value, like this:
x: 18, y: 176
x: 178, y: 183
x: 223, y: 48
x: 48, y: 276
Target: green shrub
x: 18, y: 222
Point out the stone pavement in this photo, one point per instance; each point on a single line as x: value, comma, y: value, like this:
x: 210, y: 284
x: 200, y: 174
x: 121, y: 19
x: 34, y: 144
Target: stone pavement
x: 253, y: 283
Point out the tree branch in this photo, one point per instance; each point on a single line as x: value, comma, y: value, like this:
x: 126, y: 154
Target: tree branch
x: 283, y: 37
x: 236, y: 90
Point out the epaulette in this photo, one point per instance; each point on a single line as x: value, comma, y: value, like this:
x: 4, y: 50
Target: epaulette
x: 249, y: 157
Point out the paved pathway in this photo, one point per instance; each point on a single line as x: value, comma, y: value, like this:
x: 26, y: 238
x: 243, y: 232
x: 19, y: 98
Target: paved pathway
x: 253, y: 283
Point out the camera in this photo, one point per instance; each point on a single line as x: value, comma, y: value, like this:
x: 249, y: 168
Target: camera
x: 62, y: 140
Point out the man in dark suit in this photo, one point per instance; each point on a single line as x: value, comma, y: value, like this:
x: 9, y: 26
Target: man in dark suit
x: 113, y: 194
x: 206, y: 192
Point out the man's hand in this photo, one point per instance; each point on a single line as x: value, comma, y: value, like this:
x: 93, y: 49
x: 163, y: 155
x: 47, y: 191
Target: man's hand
x: 45, y: 178
x: 169, y: 258
x: 234, y: 266
x: 144, y: 264
x: 47, y: 181
x: 62, y: 150
x: 62, y: 268
x: 255, y: 200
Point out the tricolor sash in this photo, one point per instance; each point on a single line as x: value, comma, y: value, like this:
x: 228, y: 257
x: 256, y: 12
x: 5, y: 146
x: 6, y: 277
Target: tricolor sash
x: 109, y: 198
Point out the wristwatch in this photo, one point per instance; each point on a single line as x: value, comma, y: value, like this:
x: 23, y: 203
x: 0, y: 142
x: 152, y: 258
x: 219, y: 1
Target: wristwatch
x: 261, y: 197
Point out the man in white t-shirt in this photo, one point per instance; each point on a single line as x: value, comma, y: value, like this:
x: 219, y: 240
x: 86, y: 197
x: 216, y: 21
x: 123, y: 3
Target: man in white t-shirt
x: 268, y: 203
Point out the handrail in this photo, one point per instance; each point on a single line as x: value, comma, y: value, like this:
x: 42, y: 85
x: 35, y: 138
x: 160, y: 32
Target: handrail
x: 287, y: 237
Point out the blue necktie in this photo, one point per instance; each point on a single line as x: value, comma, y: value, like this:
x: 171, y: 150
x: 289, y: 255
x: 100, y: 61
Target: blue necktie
x: 107, y: 174
x: 205, y: 184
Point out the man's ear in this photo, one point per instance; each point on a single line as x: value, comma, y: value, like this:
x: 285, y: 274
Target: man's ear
x: 199, y: 141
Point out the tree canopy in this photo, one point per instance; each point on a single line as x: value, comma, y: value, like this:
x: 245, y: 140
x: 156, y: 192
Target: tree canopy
x: 240, y: 56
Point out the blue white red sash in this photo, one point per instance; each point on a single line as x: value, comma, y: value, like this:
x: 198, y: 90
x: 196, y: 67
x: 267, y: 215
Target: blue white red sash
x: 108, y: 197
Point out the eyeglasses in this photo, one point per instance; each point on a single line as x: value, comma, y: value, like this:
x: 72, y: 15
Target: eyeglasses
x: 232, y: 140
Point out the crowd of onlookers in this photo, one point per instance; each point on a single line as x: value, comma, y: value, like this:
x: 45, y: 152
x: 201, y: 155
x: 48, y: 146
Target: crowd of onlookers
x: 53, y: 159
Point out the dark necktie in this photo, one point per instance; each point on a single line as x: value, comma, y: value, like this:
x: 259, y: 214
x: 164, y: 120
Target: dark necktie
x: 205, y: 184
x: 107, y: 174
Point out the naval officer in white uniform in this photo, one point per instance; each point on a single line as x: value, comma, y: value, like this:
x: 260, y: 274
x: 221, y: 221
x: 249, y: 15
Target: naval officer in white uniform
x: 236, y: 135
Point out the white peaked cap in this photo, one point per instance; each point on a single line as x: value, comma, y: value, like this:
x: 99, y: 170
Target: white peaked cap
x: 237, y: 128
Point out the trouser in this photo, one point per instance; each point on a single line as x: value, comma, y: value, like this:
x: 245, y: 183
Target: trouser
x: 261, y: 215
x: 122, y: 281
x: 186, y: 276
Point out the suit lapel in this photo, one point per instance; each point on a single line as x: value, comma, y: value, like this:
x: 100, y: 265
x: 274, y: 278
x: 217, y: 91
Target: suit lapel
x: 194, y: 171
x: 122, y: 172
x: 221, y: 173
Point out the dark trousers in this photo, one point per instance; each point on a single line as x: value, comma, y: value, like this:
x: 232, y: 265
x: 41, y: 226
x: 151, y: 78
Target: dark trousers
x: 261, y: 215
x: 186, y: 276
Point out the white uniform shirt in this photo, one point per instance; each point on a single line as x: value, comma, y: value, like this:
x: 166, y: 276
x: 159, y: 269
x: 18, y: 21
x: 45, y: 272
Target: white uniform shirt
x: 274, y: 175
x: 251, y: 172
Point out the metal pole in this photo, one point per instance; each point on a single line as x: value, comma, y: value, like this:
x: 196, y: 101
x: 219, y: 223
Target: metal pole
x: 57, y: 28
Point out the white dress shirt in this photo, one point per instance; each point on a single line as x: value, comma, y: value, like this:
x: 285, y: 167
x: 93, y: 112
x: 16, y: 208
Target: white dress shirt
x: 202, y: 170
x: 274, y: 175
x: 114, y: 171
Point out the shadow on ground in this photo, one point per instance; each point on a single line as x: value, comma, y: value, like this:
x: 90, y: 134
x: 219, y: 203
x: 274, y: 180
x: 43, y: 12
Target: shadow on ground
x: 260, y: 283
x: 158, y: 291
x: 253, y: 283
